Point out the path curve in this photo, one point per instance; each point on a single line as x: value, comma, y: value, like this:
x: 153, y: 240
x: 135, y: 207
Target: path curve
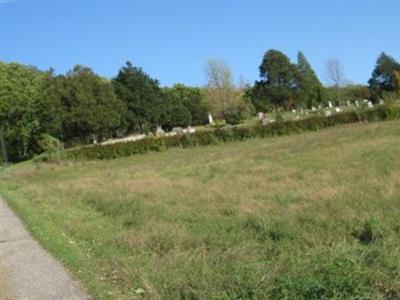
x: 29, y: 271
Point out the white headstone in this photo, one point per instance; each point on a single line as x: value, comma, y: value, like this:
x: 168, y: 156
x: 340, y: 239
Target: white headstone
x: 330, y: 104
x: 328, y: 113
x: 210, y: 119
x: 313, y: 108
x: 260, y: 116
x: 370, y: 105
x: 348, y: 103
x: 159, y: 130
x: 293, y: 111
x: 381, y: 102
x: 356, y: 103
x: 337, y: 109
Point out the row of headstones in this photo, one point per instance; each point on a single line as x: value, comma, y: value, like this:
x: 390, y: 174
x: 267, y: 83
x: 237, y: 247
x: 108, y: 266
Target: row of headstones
x: 159, y: 132
x: 175, y: 131
x: 262, y: 116
x: 328, y: 110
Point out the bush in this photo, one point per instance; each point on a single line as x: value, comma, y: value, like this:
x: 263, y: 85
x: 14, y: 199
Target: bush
x: 226, y: 134
x: 52, y: 149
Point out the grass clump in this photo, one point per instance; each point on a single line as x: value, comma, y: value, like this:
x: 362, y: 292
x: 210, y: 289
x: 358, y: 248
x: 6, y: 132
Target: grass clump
x: 338, y: 279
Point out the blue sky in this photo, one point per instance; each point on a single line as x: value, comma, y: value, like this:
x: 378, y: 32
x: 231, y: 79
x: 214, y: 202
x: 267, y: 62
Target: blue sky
x: 171, y: 40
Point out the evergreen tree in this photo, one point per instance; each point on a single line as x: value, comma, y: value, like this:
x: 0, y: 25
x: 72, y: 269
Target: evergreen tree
x: 313, y: 87
x: 281, y: 83
x: 383, y: 77
x: 142, y: 96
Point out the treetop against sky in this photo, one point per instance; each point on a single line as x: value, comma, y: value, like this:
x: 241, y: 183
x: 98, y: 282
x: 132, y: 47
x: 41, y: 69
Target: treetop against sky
x: 171, y: 40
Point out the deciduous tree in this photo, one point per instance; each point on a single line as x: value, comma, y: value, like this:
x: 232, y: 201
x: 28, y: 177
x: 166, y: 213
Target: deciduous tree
x: 336, y: 76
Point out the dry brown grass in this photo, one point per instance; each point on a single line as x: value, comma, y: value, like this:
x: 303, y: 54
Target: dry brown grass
x: 226, y: 221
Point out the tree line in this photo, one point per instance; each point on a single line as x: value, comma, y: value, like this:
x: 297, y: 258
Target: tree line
x: 81, y: 106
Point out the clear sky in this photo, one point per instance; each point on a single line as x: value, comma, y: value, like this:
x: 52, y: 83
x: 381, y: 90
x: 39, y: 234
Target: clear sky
x: 171, y: 40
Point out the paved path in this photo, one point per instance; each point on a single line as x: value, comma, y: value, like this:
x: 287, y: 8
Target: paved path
x: 27, y: 271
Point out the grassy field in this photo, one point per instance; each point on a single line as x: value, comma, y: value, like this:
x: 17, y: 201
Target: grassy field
x: 309, y: 216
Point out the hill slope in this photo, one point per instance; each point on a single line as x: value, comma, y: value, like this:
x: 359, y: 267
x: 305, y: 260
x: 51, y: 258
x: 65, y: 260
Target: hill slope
x: 308, y: 216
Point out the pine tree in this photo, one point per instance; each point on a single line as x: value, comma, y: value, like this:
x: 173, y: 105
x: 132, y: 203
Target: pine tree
x: 383, y: 76
x: 142, y: 96
x: 313, y: 87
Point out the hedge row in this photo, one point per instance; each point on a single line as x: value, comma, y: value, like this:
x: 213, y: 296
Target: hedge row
x: 155, y: 144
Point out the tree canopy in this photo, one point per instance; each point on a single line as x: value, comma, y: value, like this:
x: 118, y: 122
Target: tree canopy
x: 80, y: 106
x: 313, y: 87
x: 281, y: 83
x: 384, y: 75
x: 19, y: 94
x: 142, y: 96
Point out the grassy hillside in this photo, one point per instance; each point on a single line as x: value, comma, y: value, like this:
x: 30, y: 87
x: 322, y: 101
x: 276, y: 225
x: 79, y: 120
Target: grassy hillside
x: 311, y: 216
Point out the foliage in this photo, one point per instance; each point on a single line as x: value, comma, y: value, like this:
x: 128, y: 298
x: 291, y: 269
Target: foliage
x: 19, y: 95
x: 156, y: 144
x: 397, y: 82
x: 384, y: 77
x: 281, y: 83
x: 193, y: 99
x: 142, y: 97
x: 90, y: 108
x: 227, y: 102
x: 313, y: 87
x: 174, y: 112
x: 52, y: 149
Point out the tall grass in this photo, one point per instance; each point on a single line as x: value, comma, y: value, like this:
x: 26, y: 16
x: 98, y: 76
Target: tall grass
x: 309, y: 216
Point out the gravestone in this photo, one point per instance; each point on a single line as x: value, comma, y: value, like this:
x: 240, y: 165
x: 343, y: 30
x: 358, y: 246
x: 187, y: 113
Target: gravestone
x: 159, y: 131
x: 210, y: 119
x: 260, y: 116
x: 191, y: 129
x: 330, y: 104
x: 177, y: 130
x: 370, y: 105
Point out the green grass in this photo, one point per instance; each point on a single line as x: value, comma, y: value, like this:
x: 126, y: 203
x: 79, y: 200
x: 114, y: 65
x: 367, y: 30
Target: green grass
x: 310, y: 216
